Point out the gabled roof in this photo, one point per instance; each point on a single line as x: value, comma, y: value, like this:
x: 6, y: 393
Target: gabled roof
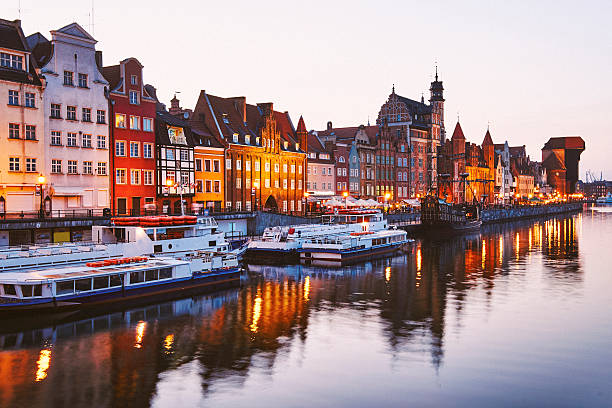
x: 567, y: 142
x: 301, y: 125
x: 75, y: 30
x: 487, y: 139
x: 349, y: 133
x: 458, y: 132
x: 162, y: 121
x: 12, y: 38
x: 518, y: 151
x: 285, y: 126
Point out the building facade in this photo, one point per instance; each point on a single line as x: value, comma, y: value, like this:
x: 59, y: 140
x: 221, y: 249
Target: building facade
x: 21, y: 124
x: 76, y: 141
x: 560, y: 158
x: 132, y: 138
x: 320, y: 171
x: 209, y: 174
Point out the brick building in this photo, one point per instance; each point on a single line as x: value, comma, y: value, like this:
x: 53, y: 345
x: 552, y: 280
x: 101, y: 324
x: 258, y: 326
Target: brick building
x: 560, y: 158
x: 320, y: 172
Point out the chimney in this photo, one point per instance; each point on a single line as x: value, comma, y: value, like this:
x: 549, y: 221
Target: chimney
x: 240, y: 106
x: 329, y: 125
x: 174, y: 106
x: 99, y: 60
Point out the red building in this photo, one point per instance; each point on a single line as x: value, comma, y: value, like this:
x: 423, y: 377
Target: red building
x: 132, y: 139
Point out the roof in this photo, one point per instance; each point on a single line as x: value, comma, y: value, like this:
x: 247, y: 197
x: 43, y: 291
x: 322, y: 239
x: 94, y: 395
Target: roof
x: 458, y: 132
x: 348, y: 133
x: 487, y: 139
x: 12, y: 38
x: 161, y: 129
x: 553, y: 162
x: 112, y: 74
x: 301, y: 125
x: 567, y: 142
x: 518, y: 151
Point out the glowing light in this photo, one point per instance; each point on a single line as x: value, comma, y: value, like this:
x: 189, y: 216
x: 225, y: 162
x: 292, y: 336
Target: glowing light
x: 517, y: 244
x: 387, y: 273
x: 169, y: 183
x: 387, y: 196
x: 307, y: 288
x: 419, y: 259
x: 43, y: 363
x: 484, y: 253
x: 501, y: 249
x: 169, y: 342
x: 345, y: 194
x: 41, y: 179
x: 140, y: 329
x: 256, y: 314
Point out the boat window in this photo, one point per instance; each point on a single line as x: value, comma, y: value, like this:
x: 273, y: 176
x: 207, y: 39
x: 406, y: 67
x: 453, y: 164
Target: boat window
x: 136, y: 277
x: 151, y: 275
x: 212, y: 243
x: 64, y: 287
x: 157, y: 248
x: 165, y: 273
x: 31, y: 290
x: 9, y: 290
x: 83, y: 285
x: 100, y: 282
x: 115, y: 280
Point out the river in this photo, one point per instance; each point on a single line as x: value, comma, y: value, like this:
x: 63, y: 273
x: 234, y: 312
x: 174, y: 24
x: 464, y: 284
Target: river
x: 520, y: 315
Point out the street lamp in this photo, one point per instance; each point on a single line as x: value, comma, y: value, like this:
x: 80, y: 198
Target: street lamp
x: 171, y: 183
x: 345, y: 194
x: 40, y: 183
x: 254, y: 193
x: 305, y: 200
x: 387, y: 197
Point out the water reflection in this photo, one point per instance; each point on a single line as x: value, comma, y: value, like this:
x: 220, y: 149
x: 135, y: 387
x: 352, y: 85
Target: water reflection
x: 417, y: 305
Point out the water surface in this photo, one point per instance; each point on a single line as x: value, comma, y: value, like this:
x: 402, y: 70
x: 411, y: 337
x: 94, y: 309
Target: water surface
x: 519, y: 315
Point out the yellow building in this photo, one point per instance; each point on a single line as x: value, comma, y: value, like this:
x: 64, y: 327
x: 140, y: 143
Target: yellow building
x: 209, y: 173
x: 21, y: 124
x: 480, y: 184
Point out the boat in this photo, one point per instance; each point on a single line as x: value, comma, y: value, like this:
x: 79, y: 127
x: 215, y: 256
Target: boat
x: 125, y: 237
x: 107, y: 282
x: 342, y: 249
x: 281, y: 244
x: 440, y: 217
x: 607, y: 199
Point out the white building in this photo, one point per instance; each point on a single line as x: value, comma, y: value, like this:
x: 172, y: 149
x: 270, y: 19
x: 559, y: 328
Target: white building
x: 76, y: 139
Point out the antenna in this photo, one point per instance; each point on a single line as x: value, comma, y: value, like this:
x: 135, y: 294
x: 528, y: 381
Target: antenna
x: 19, y: 9
x: 93, y: 24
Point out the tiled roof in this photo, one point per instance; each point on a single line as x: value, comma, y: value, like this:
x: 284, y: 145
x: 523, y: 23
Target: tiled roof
x: 348, y: 133
x: 161, y: 130
x: 487, y: 139
x: 11, y: 37
x: 458, y: 132
x: 112, y: 74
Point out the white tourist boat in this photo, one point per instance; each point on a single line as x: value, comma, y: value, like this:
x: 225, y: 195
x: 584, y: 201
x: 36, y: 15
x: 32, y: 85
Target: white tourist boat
x: 607, y: 199
x: 282, y: 243
x: 125, y: 237
x: 110, y: 281
x: 336, y: 250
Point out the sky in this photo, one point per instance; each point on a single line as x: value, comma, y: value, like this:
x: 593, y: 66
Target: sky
x: 529, y: 70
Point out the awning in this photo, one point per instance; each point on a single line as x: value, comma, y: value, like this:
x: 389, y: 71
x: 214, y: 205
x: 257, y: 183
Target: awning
x: 67, y: 191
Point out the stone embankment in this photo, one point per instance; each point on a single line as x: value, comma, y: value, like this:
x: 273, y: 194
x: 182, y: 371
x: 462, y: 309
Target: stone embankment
x: 518, y: 212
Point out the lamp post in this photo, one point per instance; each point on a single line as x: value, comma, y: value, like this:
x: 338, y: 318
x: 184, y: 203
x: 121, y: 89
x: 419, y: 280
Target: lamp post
x: 171, y: 183
x: 345, y: 194
x: 387, y: 197
x: 40, y: 182
x: 305, y: 200
x: 254, y: 193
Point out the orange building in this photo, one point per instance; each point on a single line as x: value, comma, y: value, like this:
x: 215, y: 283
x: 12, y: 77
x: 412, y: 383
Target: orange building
x: 209, y: 175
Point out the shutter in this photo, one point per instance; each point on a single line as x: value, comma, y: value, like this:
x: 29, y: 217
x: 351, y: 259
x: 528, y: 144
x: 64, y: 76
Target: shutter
x: 19, y: 202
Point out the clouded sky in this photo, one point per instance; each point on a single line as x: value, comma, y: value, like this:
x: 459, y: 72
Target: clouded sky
x: 532, y: 69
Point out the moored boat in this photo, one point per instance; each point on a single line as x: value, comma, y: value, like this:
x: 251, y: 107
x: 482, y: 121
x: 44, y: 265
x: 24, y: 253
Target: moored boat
x: 440, y: 217
x: 607, y: 199
x: 100, y: 283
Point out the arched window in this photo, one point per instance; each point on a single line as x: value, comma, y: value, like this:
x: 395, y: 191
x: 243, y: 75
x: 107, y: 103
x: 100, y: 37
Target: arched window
x: 341, y: 159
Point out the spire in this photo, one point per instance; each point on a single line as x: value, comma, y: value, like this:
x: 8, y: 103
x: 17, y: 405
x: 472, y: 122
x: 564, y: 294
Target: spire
x: 301, y: 127
x: 436, y: 72
x: 488, y: 141
x: 393, y: 90
x: 458, y: 132
x: 422, y: 97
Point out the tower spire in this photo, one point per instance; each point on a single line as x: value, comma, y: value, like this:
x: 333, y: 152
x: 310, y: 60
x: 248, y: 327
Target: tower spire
x: 393, y: 89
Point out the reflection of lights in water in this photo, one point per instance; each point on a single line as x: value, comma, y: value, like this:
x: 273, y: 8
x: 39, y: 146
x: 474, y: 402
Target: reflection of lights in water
x: 529, y: 239
x: 387, y: 273
x: 501, y: 249
x: 140, y: 329
x: 169, y: 341
x: 518, y: 245
x: 484, y: 253
x: 256, y: 314
x: 43, y: 363
x: 419, y: 259
x: 307, y: 288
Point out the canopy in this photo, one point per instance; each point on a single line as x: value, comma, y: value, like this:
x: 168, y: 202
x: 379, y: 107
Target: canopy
x: 413, y: 202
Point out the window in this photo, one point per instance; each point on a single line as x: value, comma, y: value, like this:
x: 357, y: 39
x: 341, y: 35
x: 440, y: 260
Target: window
x: 101, y: 116
x: 147, y: 150
x: 87, y: 167
x: 101, y: 168
x: 293, y: 168
x: 285, y: 167
x: 300, y: 169
x: 14, y: 164
x: 238, y: 183
x: 134, y: 80
x: 56, y: 166
x: 82, y: 80
x: 86, y: 140
x: 147, y: 124
x: 199, y: 186
x: 216, y: 166
x: 276, y: 167
x: 68, y: 78
x: 134, y: 122
x: 71, y: 139
x: 135, y: 177
x: 11, y: 61
x: 247, y: 183
x: 267, y: 166
x: 276, y: 184
x: 72, y: 167
x: 13, y: 131
x: 238, y: 164
x: 169, y: 154
x: 323, y: 171
x: 206, y: 165
x: 120, y: 120
x: 247, y: 139
x: 184, y: 155
x: 235, y: 137
x: 257, y: 166
x: 228, y: 164
x: 134, y: 97
x: 267, y: 183
x: 198, y: 164
x: 101, y: 142
x: 13, y: 98
x: 56, y: 111
x: 208, y: 185
x: 185, y: 178
x: 86, y: 114
x: 119, y: 148
x: 30, y: 132
x: 217, y: 185
x: 71, y: 113
x: 134, y: 149
x: 147, y: 177
x: 299, y: 184
x: 120, y: 175
x: 56, y: 138
x: 64, y: 288
x: 285, y: 184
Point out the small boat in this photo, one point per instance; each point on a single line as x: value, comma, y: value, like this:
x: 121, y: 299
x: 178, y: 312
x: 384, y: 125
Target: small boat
x: 100, y: 283
x: 337, y: 250
x: 607, y: 199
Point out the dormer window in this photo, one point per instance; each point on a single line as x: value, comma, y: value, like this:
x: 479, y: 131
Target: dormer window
x: 235, y: 138
x: 134, y: 80
x: 247, y: 139
x: 286, y: 144
x: 11, y: 61
x: 297, y: 146
x: 225, y: 119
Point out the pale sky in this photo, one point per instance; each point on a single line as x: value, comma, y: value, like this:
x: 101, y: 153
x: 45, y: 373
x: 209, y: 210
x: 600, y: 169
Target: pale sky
x: 532, y: 69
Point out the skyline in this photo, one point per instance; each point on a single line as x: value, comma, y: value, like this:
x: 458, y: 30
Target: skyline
x: 561, y: 92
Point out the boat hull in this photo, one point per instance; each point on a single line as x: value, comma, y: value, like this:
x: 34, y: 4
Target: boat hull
x: 452, y: 228
x: 329, y: 257
x: 274, y: 256
x: 122, y: 295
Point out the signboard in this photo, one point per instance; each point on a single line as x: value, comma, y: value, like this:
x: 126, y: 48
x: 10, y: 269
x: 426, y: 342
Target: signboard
x: 177, y: 135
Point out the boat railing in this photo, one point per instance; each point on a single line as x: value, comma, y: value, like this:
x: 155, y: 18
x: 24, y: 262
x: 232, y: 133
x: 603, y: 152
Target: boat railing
x: 25, y: 251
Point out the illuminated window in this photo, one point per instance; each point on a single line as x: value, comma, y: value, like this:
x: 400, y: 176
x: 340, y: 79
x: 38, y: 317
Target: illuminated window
x: 120, y: 120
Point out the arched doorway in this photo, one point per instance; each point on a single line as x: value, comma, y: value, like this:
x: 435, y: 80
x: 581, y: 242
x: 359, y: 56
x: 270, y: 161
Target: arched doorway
x: 271, y: 204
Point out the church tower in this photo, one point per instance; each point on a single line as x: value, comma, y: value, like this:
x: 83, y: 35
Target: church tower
x: 437, y: 104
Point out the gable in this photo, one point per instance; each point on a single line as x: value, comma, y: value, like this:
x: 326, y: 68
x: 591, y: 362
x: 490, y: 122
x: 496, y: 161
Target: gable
x: 76, y: 30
